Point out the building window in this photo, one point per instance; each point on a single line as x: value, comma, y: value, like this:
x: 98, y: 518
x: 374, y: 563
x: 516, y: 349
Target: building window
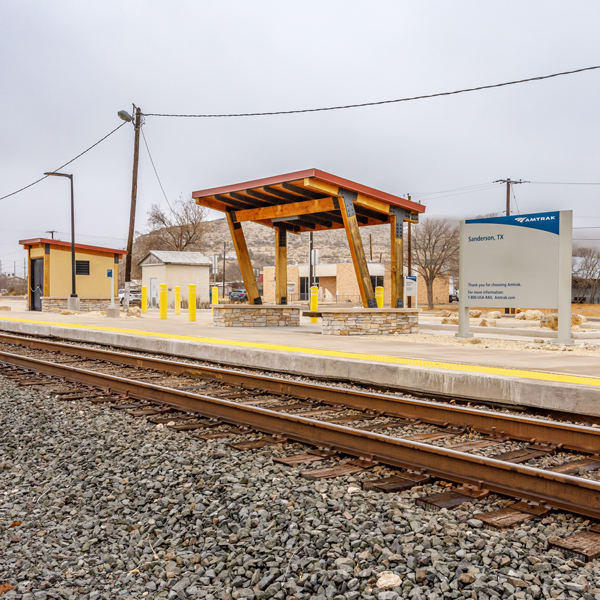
x: 82, y: 267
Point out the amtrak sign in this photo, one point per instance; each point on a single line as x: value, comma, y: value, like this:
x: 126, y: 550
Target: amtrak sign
x: 521, y: 261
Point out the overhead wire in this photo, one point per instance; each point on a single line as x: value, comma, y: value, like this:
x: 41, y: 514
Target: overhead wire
x: 565, y: 182
x: 67, y: 163
x: 467, y: 187
x: 155, y: 171
x: 378, y: 103
x: 483, y: 189
x: 512, y: 187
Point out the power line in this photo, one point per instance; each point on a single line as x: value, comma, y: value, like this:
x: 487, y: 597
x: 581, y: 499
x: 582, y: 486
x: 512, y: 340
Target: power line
x: 483, y: 189
x: 155, y: 171
x: 515, y: 198
x: 564, y: 182
x: 308, y: 110
x: 468, y: 187
x: 63, y: 166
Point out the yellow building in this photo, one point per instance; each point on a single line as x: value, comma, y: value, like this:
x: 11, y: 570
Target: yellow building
x: 50, y: 274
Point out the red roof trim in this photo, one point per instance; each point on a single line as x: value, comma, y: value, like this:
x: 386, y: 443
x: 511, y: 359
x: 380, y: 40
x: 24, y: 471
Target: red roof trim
x: 322, y: 175
x: 68, y: 244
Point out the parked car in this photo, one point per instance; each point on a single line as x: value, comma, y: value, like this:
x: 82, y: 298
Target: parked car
x: 3, y: 291
x: 135, y: 297
x: 238, y: 296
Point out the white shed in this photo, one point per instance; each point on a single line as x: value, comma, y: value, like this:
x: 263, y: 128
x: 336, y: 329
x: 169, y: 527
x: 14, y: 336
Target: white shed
x: 175, y: 268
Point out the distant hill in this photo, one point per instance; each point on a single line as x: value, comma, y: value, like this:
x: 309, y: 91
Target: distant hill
x: 332, y: 245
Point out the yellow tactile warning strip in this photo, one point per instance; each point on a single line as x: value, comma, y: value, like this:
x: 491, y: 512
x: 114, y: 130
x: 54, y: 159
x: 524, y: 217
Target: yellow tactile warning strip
x: 411, y: 362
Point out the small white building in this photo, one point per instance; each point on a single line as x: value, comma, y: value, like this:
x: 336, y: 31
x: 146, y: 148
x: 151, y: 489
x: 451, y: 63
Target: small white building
x: 175, y: 268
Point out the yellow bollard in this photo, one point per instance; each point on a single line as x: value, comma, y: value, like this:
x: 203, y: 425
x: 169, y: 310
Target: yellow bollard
x: 192, y: 302
x: 214, y: 297
x: 177, y: 300
x: 163, y: 300
x: 314, y: 302
x: 144, y: 299
x: 379, y: 296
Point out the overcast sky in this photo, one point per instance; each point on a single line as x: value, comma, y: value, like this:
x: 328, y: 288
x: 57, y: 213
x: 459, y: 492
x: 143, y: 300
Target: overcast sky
x: 67, y: 67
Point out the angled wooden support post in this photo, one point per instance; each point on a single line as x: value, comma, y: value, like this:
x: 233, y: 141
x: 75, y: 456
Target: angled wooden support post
x: 359, y: 259
x: 280, y: 265
x: 241, y: 251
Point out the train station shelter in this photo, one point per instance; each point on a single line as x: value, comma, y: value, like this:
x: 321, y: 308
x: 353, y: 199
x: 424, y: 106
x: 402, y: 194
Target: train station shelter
x: 313, y: 200
x: 50, y: 274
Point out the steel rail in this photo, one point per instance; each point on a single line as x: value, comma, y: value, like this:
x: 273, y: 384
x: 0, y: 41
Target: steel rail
x: 568, y: 436
x: 563, y: 492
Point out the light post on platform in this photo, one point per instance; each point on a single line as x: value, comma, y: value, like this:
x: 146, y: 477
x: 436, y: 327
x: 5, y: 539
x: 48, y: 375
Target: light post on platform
x: 73, y: 301
x: 137, y: 123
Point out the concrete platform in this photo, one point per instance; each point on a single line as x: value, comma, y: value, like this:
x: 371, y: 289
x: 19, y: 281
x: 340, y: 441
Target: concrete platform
x: 558, y: 381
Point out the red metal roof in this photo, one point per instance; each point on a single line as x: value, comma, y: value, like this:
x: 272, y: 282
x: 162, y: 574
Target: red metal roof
x: 317, y: 174
x: 68, y: 244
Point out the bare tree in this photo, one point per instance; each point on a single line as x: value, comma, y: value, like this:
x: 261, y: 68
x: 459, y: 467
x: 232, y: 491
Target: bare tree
x: 435, y: 251
x: 177, y: 229
x: 586, y: 273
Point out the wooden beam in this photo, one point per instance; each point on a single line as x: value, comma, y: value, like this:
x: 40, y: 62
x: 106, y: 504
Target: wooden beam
x: 280, y: 266
x: 286, y: 210
x: 241, y: 251
x: 212, y: 203
x: 323, y: 187
x: 361, y: 267
x: 397, y: 261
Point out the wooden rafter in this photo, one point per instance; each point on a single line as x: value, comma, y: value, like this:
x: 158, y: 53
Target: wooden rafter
x: 279, y: 211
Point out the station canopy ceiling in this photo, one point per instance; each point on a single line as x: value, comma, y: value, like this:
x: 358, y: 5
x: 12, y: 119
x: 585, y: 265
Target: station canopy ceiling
x: 305, y: 201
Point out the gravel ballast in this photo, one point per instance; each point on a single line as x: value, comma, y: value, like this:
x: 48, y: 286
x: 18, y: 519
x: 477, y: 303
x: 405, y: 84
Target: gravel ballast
x: 96, y: 504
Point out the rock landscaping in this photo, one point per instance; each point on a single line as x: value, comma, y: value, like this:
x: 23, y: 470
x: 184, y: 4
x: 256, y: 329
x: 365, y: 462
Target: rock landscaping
x: 95, y: 504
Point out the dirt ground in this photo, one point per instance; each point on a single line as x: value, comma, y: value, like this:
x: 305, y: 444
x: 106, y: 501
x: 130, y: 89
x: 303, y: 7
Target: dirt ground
x: 587, y: 310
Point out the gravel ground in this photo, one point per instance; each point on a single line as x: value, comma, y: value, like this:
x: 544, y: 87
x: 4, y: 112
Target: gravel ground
x: 95, y: 504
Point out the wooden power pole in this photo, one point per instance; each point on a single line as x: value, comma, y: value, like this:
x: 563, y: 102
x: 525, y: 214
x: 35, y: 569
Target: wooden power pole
x: 409, y: 266
x: 136, y: 158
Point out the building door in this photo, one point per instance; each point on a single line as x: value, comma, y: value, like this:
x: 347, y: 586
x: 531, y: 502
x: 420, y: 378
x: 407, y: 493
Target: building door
x: 154, y: 292
x: 37, y: 283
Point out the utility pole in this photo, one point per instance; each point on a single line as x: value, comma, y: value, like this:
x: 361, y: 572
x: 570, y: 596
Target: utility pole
x: 371, y: 245
x: 508, y: 183
x: 52, y: 232
x: 409, y: 266
x: 136, y: 157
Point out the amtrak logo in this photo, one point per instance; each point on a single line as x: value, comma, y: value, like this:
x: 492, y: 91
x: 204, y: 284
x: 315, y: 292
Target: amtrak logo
x: 532, y: 219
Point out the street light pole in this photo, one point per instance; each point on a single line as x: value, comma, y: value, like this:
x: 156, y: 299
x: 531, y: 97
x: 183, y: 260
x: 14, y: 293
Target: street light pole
x: 137, y: 123
x: 73, y: 302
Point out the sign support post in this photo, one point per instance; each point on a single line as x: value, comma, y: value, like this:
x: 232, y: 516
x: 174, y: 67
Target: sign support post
x: 565, y: 269
x: 463, y: 308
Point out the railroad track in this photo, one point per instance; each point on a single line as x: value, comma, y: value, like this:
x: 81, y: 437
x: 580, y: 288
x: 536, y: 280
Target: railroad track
x: 439, y: 440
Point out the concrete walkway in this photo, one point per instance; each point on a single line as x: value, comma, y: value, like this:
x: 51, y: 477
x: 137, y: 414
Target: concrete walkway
x: 560, y: 380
